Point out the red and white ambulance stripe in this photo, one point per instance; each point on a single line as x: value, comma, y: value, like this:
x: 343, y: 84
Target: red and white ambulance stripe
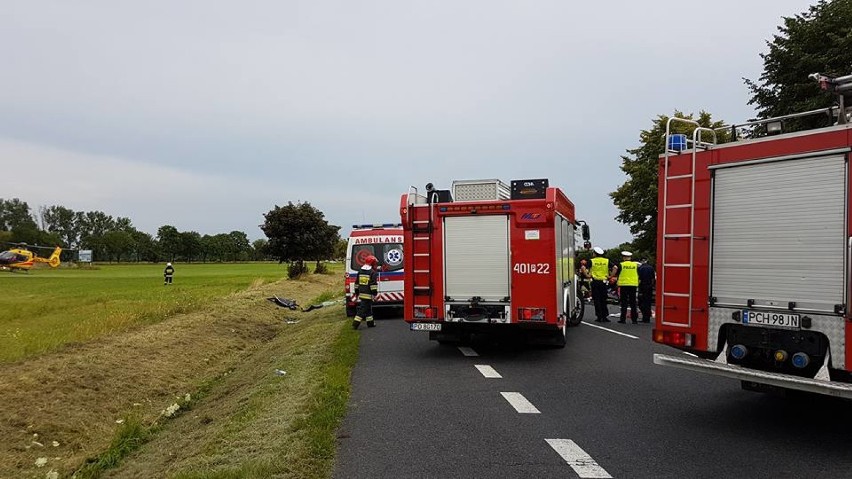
x: 389, y: 297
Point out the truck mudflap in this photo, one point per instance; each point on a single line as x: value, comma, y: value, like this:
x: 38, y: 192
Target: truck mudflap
x: 819, y: 386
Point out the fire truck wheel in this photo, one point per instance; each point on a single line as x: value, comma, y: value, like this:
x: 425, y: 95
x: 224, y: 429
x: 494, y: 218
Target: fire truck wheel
x: 576, y: 313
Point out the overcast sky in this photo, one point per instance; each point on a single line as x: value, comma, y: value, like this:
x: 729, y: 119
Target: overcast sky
x: 205, y: 115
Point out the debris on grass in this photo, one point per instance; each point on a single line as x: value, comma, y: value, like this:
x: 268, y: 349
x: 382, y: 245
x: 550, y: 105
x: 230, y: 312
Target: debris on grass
x: 55, y: 443
x: 280, y: 372
x: 41, y: 462
x: 293, y: 306
x: 171, y: 410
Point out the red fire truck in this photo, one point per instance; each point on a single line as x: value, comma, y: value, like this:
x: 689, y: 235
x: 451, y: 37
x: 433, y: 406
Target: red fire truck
x: 486, y: 258
x: 384, y: 241
x: 754, y: 243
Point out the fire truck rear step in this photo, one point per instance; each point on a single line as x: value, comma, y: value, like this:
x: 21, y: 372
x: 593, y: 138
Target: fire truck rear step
x: 843, y: 390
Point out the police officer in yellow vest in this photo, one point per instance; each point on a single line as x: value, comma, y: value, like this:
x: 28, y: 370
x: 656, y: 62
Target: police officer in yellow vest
x: 628, y: 283
x: 600, y: 273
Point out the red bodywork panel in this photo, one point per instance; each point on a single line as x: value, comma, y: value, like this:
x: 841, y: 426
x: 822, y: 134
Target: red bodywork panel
x: 527, y: 289
x: 675, y: 318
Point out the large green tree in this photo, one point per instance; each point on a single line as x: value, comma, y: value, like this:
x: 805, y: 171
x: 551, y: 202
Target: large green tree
x: 168, y: 238
x: 636, y: 199
x: 298, y: 233
x: 15, y: 214
x: 60, y: 220
x: 818, y: 40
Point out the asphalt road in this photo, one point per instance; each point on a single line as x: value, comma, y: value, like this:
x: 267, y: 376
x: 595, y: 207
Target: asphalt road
x: 598, y: 408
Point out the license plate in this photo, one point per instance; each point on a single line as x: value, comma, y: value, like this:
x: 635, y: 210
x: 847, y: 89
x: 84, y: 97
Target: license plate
x: 764, y: 318
x: 426, y: 326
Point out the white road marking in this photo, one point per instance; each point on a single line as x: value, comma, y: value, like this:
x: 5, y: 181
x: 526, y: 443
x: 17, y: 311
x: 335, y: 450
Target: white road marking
x: 582, y: 463
x: 690, y: 354
x: 520, y: 403
x: 611, y: 330
x: 488, y: 371
x: 468, y: 351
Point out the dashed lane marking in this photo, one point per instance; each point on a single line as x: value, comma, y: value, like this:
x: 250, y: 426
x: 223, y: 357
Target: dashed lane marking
x: 578, y: 459
x: 611, y: 330
x: 520, y: 403
x: 488, y: 371
x: 468, y: 351
x: 690, y: 354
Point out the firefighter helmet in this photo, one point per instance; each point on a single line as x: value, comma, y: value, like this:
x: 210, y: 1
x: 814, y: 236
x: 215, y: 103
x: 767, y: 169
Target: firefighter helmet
x: 371, y: 260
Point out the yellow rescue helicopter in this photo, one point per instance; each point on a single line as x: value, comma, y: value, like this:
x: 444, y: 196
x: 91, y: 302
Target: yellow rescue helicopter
x: 20, y: 258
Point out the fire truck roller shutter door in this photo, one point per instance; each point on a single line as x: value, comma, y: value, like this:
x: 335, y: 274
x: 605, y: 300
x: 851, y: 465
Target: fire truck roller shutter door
x: 778, y: 233
x: 477, y: 257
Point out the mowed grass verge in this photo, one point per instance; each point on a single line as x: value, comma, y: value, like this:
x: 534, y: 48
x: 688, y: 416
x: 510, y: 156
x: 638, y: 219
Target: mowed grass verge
x: 47, y: 308
x: 96, y: 407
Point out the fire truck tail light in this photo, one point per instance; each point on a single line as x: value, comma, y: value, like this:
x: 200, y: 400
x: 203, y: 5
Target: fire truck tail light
x: 422, y: 312
x: 531, y: 314
x: 674, y: 338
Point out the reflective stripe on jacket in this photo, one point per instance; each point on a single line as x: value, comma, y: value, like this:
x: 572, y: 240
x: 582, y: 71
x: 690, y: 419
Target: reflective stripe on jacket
x: 627, y: 274
x: 600, y: 268
x: 368, y: 282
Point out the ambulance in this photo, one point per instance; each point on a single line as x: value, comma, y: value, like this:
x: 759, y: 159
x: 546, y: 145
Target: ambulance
x: 384, y: 241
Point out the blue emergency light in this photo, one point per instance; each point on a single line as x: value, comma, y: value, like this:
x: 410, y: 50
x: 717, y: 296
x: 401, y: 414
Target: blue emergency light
x: 677, y: 142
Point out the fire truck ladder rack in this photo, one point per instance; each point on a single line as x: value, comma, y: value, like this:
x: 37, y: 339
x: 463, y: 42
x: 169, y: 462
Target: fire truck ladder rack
x: 420, y: 220
x: 696, y: 143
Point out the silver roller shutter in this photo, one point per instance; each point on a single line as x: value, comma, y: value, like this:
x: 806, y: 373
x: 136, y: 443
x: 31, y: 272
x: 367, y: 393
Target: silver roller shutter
x: 779, y: 233
x: 476, y: 257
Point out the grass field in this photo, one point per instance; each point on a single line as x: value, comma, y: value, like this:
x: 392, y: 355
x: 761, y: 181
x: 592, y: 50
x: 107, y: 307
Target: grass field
x: 95, y: 358
x: 46, y: 308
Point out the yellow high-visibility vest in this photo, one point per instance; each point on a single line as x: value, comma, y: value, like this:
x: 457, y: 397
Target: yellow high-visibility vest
x: 600, y: 268
x: 628, y: 274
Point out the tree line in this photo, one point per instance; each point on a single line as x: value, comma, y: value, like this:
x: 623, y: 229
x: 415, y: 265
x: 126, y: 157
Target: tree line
x: 817, y: 40
x: 116, y: 239
x: 296, y: 233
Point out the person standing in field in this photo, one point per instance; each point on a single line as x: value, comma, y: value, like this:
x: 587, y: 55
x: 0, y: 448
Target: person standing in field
x: 167, y: 274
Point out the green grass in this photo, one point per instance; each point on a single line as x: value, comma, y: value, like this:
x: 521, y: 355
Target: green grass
x: 306, y: 447
x: 130, y: 437
x: 45, y: 309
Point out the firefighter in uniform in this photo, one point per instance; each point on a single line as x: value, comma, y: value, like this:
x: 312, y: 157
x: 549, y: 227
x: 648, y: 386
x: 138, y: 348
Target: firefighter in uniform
x: 367, y: 286
x: 628, y: 283
x: 167, y: 274
x: 600, y: 271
